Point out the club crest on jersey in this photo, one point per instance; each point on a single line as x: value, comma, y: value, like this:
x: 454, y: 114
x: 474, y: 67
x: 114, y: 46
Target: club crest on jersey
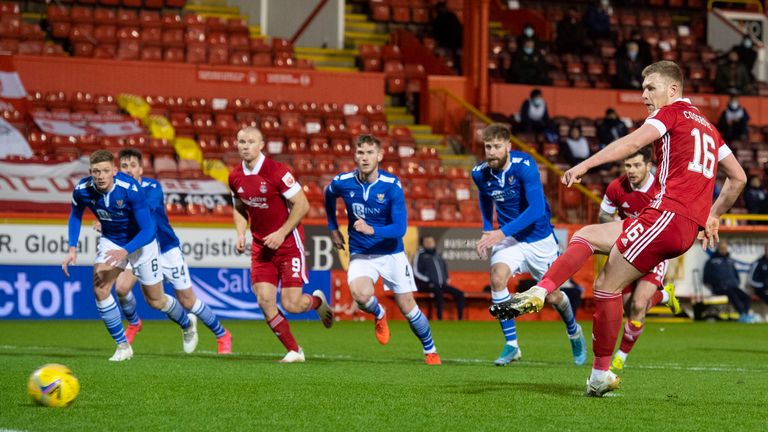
x: 119, y: 203
x: 263, y: 188
x: 510, y: 180
x: 352, y: 194
x: 380, y: 198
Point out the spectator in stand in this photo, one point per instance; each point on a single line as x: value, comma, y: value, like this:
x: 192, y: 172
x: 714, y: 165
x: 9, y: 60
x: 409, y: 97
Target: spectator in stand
x: 722, y: 277
x: 732, y: 76
x: 733, y: 121
x: 756, y: 198
x: 747, y: 54
x: 610, y: 128
x: 528, y: 65
x: 534, y: 116
x: 570, y: 33
x: 598, y: 20
x: 643, y: 48
x: 758, y: 276
x: 448, y: 33
x: 576, y: 148
x: 431, y: 274
x: 528, y: 33
x: 629, y: 68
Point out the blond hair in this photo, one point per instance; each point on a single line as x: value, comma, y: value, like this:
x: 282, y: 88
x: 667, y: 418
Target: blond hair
x: 667, y: 69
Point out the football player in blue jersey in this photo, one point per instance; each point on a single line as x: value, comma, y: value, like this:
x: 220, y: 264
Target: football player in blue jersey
x: 524, y: 241
x: 172, y: 263
x: 128, y: 235
x: 377, y: 223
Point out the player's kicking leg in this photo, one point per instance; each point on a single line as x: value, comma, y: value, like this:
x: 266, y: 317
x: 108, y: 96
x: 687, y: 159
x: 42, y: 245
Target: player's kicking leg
x: 266, y: 294
x: 598, y: 238
x: 124, y: 290
x: 176, y: 272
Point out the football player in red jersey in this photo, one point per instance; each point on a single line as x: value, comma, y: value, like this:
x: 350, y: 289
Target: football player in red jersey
x: 267, y: 195
x: 688, y: 152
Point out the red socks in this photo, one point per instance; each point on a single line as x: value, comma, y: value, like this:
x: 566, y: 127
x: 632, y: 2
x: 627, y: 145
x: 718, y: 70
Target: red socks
x: 566, y: 265
x: 314, y: 302
x: 632, y: 332
x: 282, y: 330
x: 606, y: 323
x: 658, y: 296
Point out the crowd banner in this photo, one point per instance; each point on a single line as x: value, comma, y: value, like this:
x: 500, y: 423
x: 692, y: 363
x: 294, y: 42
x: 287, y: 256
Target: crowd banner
x: 13, y: 96
x: 12, y: 142
x: 46, y: 183
x: 76, y: 124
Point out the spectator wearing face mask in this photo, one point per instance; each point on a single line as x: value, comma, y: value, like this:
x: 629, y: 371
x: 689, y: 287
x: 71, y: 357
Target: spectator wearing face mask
x: 732, y: 76
x: 534, y: 116
x: 733, y: 121
x: 629, y: 68
x: 576, y: 148
x: 528, y: 33
x: 610, y: 128
x: 747, y: 54
x: 643, y: 48
x: 528, y: 65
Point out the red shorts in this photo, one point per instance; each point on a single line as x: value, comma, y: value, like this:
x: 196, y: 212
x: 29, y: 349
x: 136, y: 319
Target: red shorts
x: 286, y: 265
x: 655, y: 236
x: 655, y: 276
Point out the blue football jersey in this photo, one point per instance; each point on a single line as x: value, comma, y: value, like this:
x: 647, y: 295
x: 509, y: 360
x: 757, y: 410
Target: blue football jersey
x: 381, y: 204
x: 153, y: 191
x: 522, y: 210
x: 121, y: 212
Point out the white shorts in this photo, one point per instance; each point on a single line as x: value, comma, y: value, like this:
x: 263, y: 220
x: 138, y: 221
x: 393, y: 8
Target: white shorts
x: 394, y: 269
x: 175, y: 270
x: 144, y: 261
x: 534, y: 258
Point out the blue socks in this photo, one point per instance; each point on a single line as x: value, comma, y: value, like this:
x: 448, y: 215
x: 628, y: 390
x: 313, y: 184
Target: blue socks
x: 372, y: 307
x: 566, y: 313
x: 508, y: 327
x: 128, y: 305
x: 175, y: 312
x: 420, y: 327
x: 111, y: 316
x: 208, y: 317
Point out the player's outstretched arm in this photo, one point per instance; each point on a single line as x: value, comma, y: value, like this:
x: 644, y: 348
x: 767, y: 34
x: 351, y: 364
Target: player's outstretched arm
x: 240, y: 216
x: 735, y: 180
x: 298, y: 209
x: 615, y: 151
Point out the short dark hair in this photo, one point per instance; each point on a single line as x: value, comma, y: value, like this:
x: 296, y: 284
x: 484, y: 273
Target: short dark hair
x: 535, y: 92
x: 128, y: 153
x: 496, y: 131
x: 101, y: 156
x: 367, y: 139
x: 426, y: 236
x: 645, y: 152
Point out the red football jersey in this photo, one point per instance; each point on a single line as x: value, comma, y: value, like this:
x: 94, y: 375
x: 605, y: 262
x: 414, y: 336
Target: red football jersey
x: 265, y: 190
x: 619, y: 196
x: 687, y: 154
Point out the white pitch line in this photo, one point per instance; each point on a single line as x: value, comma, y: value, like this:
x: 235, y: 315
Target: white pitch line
x: 674, y: 366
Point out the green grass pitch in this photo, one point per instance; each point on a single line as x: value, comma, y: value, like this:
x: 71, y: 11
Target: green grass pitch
x: 680, y: 377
